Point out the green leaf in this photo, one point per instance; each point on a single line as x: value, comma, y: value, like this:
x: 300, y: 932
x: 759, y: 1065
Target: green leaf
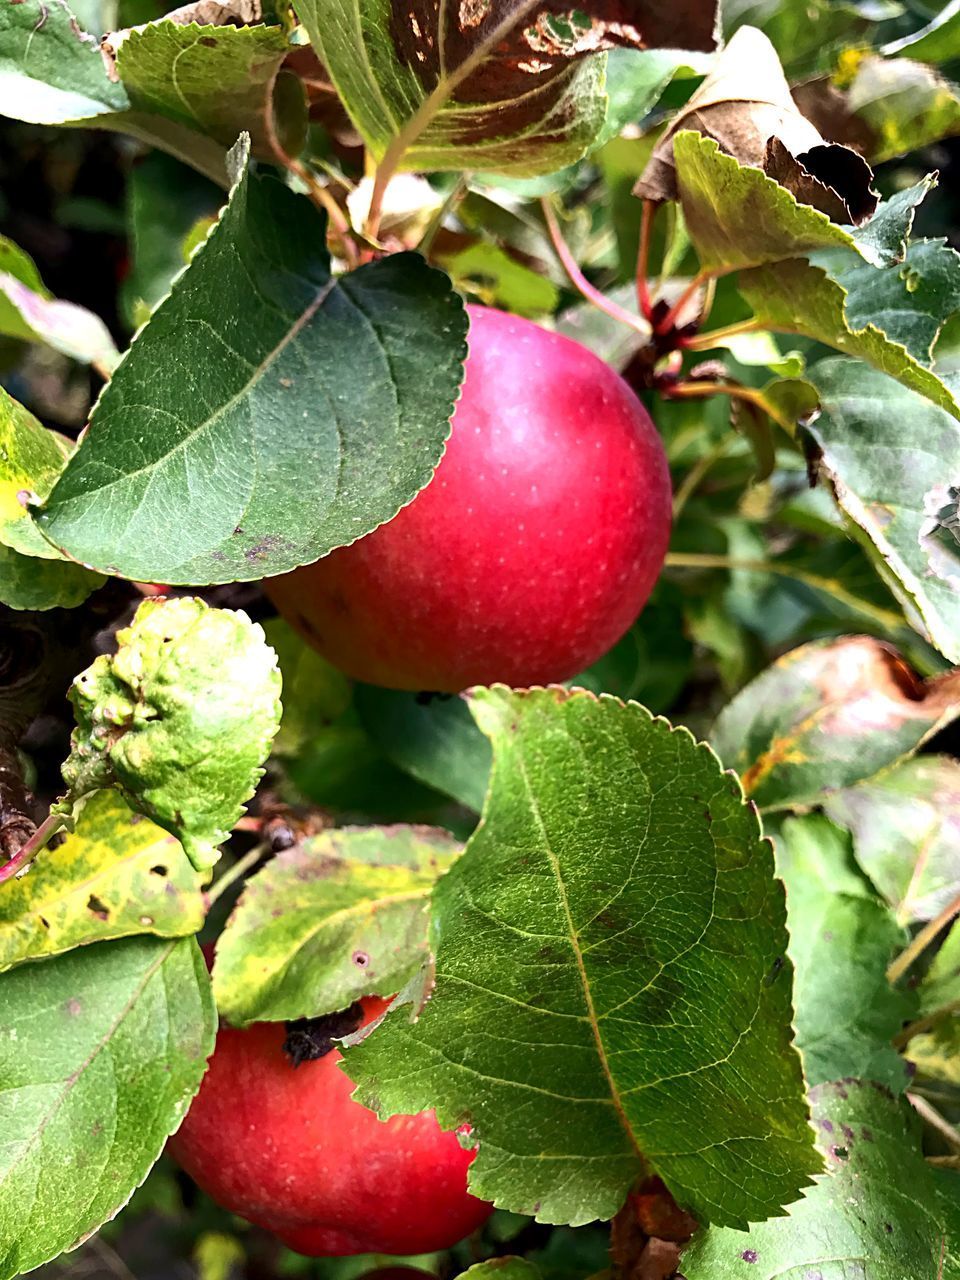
x: 436, y: 741
x: 215, y: 80
x: 903, y: 105
x: 28, y: 312
x: 512, y: 89
x: 609, y: 963
x: 936, y: 1054
x: 806, y: 33
x: 637, y: 78
x: 906, y: 833
x: 116, y: 875
x: 875, y: 1213
x: 940, y: 985
x: 908, y: 302
x: 794, y: 296
x: 938, y: 41
x: 841, y: 941
x: 165, y: 199
x: 105, y: 1048
x: 315, y: 694
x: 505, y: 1268
x: 343, y: 915
x: 26, y: 583
x: 827, y: 715
x: 491, y: 273
x: 181, y: 718
x: 52, y: 72
x: 892, y: 458
x: 31, y: 458
x: 738, y: 217
x: 225, y: 451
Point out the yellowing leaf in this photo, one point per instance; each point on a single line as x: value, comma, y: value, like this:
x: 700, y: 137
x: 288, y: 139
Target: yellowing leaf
x: 116, y: 875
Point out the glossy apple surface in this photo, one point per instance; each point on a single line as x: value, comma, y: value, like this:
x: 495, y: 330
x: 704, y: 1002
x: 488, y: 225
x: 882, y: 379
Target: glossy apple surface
x: 288, y: 1149
x: 532, y: 549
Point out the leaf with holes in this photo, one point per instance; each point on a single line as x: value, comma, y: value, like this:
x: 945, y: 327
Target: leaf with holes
x: 268, y: 412
x: 101, y: 1051
x: 876, y: 1212
x: 506, y: 86
x: 116, y: 875
x: 905, y: 825
x: 610, y: 961
x: 893, y: 460
x: 343, y: 915
x: 828, y: 715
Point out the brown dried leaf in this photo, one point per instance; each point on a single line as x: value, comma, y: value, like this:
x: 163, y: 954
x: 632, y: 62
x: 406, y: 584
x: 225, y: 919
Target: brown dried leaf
x: 745, y: 105
x: 541, y: 43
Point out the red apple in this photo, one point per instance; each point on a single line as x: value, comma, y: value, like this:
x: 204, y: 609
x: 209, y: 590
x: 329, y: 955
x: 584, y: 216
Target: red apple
x: 288, y: 1149
x: 532, y: 549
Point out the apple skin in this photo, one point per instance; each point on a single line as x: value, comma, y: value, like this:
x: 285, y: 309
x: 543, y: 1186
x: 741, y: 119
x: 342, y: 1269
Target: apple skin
x: 529, y: 553
x: 288, y: 1149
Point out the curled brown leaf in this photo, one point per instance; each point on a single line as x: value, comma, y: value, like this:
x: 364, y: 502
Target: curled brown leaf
x: 745, y: 105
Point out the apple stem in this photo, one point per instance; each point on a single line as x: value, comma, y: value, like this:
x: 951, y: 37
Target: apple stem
x: 899, y: 966
x: 716, y: 337
x: 22, y: 859
x: 643, y: 259
x: 669, y: 321
x: 235, y: 873
x: 691, y: 481
x: 903, y: 1038
x: 582, y: 284
x: 454, y: 196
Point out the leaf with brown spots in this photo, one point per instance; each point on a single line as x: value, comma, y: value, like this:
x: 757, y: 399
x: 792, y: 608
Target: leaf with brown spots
x: 877, y: 1212
x: 116, y: 875
x: 340, y: 916
x: 507, y: 86
x: 828, y: 715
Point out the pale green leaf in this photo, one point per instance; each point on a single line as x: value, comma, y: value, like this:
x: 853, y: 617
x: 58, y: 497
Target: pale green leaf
x: 344, y: 914
x: 738, y: 217
x: 28, y: 583
x: 905, y: 824
x: 842, y: 938
x: 892, y: 459
x: 115, y: 875
x: 181, y: 718
x: 31, y: 459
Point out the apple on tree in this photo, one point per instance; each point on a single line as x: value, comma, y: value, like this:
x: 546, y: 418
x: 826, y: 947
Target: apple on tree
x: 275, y: 1136
x: 532, y: 549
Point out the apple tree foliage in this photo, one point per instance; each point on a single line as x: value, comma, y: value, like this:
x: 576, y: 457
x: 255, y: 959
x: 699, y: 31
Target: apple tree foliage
x: 679, y: 933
